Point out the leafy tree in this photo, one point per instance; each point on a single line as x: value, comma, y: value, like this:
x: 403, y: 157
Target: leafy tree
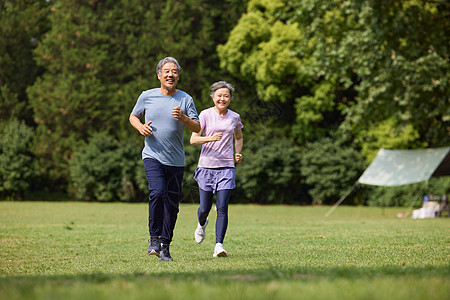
x: 100, y: 55
x: 351, y: 64
x: 16, y: 158
x: 330, y: 169
x: 389, y: 134
x: 22, y: 25
x: 404, y: 72
x: 276, y: 53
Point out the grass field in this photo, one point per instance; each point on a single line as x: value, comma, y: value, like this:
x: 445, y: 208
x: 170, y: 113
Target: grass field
x: 72, y: 250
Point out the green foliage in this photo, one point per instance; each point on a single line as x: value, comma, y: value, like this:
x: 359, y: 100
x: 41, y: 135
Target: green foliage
x: 280, y: 55
x: 94, y: 67
x: 105, y: 170
x: 302, y: 70
x: 388, y: 134
x: 99, y: 56
x: 350, y: 64
x: 17, y: 167
x: 406, y: 195
x: 408, y: 77
x: 270, y: 173
x: 330, y: 168
x: 22, y: 25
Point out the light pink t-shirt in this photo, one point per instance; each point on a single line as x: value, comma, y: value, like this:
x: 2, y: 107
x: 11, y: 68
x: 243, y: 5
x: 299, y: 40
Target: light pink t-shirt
x: 218, y: 154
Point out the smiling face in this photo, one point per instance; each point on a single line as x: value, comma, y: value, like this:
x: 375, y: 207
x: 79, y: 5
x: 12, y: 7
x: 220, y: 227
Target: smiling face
x: 222, y: 98
x: 169, y: 76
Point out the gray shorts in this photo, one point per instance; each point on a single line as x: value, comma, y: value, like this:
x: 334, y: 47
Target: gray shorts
x: 215, y: 179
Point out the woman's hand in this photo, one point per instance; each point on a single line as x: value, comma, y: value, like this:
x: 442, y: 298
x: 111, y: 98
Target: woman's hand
x: 238, y: 157
x: 217, y: 136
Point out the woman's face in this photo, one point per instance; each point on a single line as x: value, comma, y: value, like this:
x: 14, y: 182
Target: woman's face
x: 222, y: 98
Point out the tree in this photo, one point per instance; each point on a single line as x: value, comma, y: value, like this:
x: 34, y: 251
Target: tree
x: 100, y: 55
x: 348, y: 64
x: 277, y: 54
x: 22, y: 25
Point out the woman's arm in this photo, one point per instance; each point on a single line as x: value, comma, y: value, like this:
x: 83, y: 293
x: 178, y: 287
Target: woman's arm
x: 198, y: 139
x: 238, y: 144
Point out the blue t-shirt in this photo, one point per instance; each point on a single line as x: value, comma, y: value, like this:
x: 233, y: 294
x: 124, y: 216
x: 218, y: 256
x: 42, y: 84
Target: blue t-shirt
x: 165, y: 144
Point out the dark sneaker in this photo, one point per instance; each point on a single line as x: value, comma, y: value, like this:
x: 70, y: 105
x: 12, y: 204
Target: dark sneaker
x: 164, y: 254
x: 155, y: 246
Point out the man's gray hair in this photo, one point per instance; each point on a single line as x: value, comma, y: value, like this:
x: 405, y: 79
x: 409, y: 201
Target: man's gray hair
x: 222, y: 84
x: 166, y: 60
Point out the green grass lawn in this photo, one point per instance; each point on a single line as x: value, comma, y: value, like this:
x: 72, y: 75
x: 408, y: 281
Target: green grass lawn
x: 74, y: 250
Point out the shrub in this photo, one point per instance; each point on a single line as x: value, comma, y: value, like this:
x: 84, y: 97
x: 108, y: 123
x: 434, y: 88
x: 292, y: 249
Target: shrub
x: 406, y: 195
x: 330, y: 169
x: 17, y: 166
x: 270, y: 173
x: 106, y: 170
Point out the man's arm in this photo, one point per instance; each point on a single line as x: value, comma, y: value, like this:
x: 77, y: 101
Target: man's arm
x: 143, y: 129
x: 192, y: 125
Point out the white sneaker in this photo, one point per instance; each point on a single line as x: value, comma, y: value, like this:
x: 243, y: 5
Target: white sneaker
x: 200, y: 232
x: 219, y: 251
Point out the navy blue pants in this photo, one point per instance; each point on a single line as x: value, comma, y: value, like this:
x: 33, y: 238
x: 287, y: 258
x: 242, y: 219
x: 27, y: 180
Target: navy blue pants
x: 222, y: 199
x: 164, y: 184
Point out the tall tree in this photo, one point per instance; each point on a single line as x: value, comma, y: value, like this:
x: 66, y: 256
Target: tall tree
x: 351, y: 64
x: 97, y: 59
x: 100, y: 55
x: 22, y: 25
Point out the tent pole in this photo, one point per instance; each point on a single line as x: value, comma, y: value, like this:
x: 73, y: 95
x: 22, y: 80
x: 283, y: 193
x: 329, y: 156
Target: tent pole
x: 417, y: 197
x: 341, y: 200
x: 412, y: 204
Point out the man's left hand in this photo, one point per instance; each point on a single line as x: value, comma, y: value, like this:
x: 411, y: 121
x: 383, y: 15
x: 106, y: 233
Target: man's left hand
x: 178, y: 113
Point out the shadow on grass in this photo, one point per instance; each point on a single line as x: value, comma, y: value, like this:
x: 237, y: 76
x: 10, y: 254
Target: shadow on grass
x: 258, y: 275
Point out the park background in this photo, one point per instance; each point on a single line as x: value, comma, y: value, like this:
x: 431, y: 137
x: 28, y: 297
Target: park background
x: 321, y: 86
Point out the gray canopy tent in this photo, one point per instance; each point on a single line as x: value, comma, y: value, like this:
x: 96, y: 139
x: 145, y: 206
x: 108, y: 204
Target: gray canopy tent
x: 401, y: 167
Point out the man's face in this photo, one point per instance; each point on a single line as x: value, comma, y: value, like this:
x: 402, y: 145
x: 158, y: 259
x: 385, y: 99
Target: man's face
x: 169, y: 76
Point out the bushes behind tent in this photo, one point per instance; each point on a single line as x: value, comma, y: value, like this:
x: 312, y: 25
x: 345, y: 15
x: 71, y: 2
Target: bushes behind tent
x: 406, y: 195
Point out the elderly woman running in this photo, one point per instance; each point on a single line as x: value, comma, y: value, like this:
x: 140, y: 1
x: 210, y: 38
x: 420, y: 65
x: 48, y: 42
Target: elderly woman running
x: 216, y: 172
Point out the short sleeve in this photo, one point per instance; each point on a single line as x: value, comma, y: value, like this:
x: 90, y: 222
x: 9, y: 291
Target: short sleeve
x: 202, y: 120
x: 191, y: 111
x: 239, y: 124
x: 139, y: 107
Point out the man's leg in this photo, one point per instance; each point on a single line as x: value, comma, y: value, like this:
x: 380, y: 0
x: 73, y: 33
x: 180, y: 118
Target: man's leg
x: 174, y: 178
x: 157, y: 187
